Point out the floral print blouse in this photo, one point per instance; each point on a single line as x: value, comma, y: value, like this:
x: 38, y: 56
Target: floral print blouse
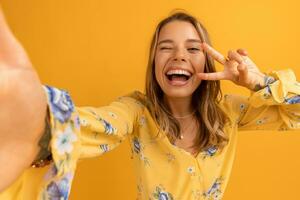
x: 163, y: 171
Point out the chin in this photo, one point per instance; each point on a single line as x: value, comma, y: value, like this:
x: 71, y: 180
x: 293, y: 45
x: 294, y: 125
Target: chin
x: 178, y: 93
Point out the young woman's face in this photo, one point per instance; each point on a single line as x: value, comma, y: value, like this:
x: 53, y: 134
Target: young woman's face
x: 178, y: 58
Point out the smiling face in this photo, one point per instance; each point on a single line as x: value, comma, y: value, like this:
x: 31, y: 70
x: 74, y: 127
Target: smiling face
x: 175, y: 50
x: 178, y: 58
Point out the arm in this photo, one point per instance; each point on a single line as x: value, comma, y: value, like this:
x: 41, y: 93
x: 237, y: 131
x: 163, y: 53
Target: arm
x: 75, y: 132
x: 22, y: 108
x: 81, y: 132
x: 274, y: 103
x: 274, y: 107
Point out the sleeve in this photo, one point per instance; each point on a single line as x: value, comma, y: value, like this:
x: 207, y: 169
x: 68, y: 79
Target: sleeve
x: 80, y: 132
x: 274, y: 107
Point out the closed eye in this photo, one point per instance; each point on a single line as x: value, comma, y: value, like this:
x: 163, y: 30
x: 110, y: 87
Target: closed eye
x: 193, y: 49
x: 165, y: 48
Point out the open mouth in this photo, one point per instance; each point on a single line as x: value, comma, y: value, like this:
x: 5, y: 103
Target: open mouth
x: 178, y: 76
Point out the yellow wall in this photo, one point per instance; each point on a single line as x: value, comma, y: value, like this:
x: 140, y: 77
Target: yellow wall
x: 98, y: 51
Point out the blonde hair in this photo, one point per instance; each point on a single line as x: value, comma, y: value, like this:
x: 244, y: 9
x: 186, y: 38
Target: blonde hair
x: 205, y: 98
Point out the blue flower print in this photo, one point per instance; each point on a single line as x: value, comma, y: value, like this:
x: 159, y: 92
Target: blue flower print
x: 64, y: 141
x: 51, y: 172
x: 137, y: 148
x: 77, y: 122
x: 293, y: 100
x: 60, y: 190
x: 60, y: 103
x: 191, y: 170
x: 109, y: 129
x: 242, y: 106
x: 136, y: 145
x: 269, y: 80
x: 104, y: 147
x: 214, y: 191
x: 210, y: 152
x: 267, y: 94
x: 53, y: 192
x: 161, y: 194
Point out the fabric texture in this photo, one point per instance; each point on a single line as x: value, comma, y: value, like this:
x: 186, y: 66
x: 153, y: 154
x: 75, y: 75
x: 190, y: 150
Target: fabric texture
x: 163, y: 171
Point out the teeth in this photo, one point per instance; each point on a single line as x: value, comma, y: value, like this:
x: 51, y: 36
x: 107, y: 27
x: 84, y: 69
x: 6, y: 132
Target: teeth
x: 178, y: 72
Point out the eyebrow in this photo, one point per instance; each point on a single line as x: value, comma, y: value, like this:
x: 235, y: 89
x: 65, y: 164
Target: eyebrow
x: 166, y: 41
x: 194, y: 40
x: 171, y: 41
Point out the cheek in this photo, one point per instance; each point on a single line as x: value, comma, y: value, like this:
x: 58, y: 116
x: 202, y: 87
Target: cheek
x: 160, y: 59
x: 199, y: 63
x: 159, y: 63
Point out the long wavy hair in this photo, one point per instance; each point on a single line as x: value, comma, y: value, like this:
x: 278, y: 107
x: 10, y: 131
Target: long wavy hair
x: 210, y: 118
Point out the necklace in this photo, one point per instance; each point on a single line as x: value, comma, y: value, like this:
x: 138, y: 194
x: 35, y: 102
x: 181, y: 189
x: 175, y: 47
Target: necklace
x: 185, y: 128
x: 182, y: 117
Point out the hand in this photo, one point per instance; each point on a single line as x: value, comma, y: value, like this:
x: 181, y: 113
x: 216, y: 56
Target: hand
x: 238, y: 68
x: 22, y: 108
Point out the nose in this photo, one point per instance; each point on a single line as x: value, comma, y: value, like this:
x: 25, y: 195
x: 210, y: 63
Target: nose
x: 180, y: 55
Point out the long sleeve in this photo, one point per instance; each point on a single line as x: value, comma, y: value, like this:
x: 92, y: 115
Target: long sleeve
x: 79, y: 132
x: 102, y: 129
x: 275, y: 107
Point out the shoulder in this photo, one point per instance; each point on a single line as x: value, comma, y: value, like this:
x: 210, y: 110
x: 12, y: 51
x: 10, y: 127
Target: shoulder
x: 135, y: 99
x: 137, y: 96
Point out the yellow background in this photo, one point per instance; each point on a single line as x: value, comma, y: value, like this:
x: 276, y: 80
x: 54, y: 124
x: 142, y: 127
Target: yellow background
x: 98, y: 50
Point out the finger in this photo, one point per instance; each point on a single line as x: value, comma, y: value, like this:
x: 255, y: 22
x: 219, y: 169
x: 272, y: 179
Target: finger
x: 212, y: 76
x: 214, y: 53
x: 243, y: 72
x: 233, y: 55
x: 243, y: 52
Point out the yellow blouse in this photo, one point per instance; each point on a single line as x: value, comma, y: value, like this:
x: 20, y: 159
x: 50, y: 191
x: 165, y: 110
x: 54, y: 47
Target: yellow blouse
x: 163, y: 171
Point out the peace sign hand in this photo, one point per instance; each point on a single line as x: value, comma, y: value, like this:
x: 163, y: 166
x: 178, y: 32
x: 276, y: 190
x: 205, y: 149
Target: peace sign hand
x: 238, y: 68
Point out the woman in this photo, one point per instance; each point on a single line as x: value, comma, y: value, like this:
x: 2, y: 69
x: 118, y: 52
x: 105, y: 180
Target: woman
x: 182, y: 133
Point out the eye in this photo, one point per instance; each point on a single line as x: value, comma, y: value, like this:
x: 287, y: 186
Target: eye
x: 193, y: 49
x: 165, y: 48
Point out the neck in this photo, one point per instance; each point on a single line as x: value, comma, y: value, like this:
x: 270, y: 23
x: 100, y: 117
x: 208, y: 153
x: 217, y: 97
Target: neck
x: 180, y: 107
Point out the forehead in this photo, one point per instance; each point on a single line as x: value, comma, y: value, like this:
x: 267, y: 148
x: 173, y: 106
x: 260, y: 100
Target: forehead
x: 178, y: 31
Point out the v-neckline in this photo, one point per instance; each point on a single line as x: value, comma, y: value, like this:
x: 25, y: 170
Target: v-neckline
x: 177, y: 148
x: 168, y: 142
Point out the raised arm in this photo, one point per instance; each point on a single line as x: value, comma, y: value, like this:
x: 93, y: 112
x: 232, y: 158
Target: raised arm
x: 274, y: 103
x: 22, y: 108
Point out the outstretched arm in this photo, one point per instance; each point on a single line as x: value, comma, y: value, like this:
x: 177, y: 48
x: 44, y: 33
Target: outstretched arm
x: 22, y: 108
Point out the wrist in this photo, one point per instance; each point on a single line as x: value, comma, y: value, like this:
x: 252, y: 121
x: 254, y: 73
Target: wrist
x: 264, y: 82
